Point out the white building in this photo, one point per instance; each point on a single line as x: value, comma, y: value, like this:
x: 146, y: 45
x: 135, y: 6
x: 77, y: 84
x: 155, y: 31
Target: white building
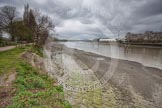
x: 107, y: 40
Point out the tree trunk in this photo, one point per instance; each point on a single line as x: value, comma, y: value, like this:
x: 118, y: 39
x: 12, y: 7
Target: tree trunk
x: 12, y: 32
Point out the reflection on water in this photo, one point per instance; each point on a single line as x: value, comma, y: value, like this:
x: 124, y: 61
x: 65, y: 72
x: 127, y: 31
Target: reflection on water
x: 147, y: 56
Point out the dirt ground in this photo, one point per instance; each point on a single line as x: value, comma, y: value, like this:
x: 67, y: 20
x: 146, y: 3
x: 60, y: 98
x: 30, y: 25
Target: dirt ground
x: 7, y: 90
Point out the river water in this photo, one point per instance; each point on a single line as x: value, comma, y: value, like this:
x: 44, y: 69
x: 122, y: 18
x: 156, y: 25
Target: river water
x: 148, y: 56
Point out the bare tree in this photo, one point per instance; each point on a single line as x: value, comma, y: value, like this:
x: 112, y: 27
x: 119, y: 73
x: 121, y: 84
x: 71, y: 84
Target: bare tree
x: 40, y: 25
x: 26, y: 13
x: 44, y: 25
x: 0, y: 36
x: 7, y: 16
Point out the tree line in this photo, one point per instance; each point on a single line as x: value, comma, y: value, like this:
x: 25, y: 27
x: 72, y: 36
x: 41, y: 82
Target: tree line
x: 32, y: 27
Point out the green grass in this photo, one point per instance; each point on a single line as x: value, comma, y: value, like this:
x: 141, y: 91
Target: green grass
x: 33, y: 90
x: 9, y: 59
x: 38, y: 51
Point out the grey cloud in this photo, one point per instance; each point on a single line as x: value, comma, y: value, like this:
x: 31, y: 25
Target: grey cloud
x: 153, y: 7
x: 98, y: 18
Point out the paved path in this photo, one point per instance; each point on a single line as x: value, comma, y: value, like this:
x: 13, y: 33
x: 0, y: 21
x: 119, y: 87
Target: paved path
x: 6, y: 48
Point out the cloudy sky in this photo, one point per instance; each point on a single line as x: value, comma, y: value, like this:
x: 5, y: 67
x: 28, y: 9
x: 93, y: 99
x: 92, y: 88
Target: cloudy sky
x: 88, y: 19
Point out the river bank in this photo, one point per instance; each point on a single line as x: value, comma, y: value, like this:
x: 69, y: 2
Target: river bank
x: 85, y: 74
x: 155, y: 45
x: 147, y: 56
x: 23, y: 85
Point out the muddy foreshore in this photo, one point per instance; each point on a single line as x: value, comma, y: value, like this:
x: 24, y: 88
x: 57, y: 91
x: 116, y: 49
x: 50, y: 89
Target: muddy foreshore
x: 133, y: 84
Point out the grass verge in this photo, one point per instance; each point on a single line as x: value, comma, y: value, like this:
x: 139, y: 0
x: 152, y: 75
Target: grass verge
x: 9, y: 59
x: 32, y: 89
x: 35, y: 90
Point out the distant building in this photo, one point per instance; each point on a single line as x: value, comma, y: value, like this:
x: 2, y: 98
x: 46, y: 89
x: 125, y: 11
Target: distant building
x: 147, y: 37
x: 107, y: 40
